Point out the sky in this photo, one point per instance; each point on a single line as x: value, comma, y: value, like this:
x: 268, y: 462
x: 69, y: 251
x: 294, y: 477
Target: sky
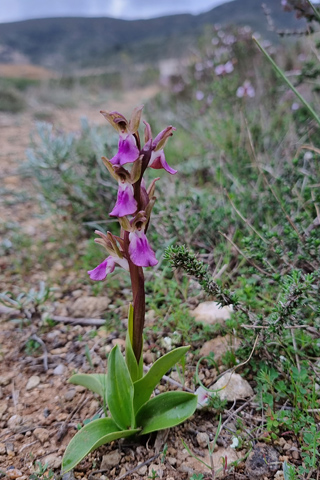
x: 13, y: 10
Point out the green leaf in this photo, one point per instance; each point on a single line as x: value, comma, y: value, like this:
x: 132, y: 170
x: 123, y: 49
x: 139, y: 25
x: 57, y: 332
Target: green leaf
x: 135, y: 370
x: 96, y: 382
x: 90, y: 437
x: 120, y: 390
x: 165, y: 411
x: 130, y: 323
x: 144, y: 387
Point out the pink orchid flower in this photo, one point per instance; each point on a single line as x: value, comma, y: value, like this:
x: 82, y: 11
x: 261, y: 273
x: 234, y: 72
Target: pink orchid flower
x: 107, y: 266
x: 128, y: 151
x: 158, y: 159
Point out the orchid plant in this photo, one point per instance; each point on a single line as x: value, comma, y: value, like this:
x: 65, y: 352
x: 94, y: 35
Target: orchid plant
x: 124, y: 389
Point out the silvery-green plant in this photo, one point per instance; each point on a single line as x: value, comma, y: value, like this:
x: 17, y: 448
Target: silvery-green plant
x: 28, y: 303
x: 124, y: 389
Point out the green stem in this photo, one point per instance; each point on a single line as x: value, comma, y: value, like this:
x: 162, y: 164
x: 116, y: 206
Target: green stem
x: 282, y: 75
x: 315, y: 11
x: 139, y: 306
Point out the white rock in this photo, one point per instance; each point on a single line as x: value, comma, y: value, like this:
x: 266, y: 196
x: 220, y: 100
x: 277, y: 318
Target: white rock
x: 143, y: 470
x: 59, y: 370
x: 33, y: 382
x: 211, y: 313
x: 233, y: 387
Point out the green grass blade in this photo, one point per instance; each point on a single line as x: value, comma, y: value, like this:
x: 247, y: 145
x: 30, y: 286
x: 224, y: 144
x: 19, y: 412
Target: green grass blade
x: 282, y: 75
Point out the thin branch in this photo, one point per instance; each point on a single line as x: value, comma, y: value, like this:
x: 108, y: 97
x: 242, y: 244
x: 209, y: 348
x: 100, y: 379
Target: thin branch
x: 98, y: 322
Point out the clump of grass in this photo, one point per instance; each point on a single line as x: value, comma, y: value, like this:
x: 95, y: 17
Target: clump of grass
x: 11, y: 100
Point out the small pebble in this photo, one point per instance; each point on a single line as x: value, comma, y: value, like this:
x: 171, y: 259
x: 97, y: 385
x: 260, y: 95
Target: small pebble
x: 111, y: 459
x: 295, y: 454
x: 202, y: 439
x: 69, y: 395
x: 59, y: 370
x: 33, y: 382
x: 41, y: 434
x: 13, y: 473
x: 143, y: 470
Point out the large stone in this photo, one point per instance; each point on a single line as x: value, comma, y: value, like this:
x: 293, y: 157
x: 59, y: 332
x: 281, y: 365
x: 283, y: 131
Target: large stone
x: 219, y: 346
x: 233, y: 387
x: 262, y: 462
x: 89, y: 307
x: 211, y: 313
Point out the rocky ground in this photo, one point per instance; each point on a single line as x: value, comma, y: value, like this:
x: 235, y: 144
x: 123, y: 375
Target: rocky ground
x: 40, y: 412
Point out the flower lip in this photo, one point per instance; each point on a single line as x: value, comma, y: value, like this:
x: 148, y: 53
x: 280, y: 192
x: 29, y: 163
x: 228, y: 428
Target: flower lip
x: 107, y: 266
x: 102, y: 270
x: 128, y: 151
x: 158, y: 161
x: 126, y: 204
x: 140, y: 251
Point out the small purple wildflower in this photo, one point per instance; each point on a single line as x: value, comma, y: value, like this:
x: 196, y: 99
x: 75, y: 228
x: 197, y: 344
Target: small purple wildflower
x: 107, y: 266
x: 246, y: 90
x: 199, y: 95
x: 223, y: 69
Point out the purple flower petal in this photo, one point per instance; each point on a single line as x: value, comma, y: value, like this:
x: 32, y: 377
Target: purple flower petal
x: 140, y: 251
x: 158, y: 160
x: 128, y: 151
x: 162, y: 138
x: 126, y: 203
x: 102, y: 270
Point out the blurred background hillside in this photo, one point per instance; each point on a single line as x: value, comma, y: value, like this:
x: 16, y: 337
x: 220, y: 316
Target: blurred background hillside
x: 109, y: 46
